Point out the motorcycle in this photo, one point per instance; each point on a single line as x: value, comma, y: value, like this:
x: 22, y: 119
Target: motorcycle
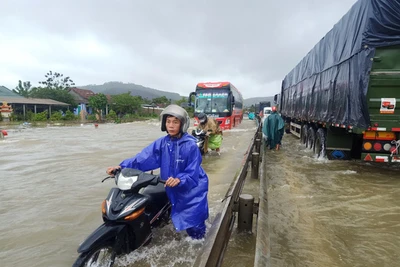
x: 201, y: 139
x: 130, y: 212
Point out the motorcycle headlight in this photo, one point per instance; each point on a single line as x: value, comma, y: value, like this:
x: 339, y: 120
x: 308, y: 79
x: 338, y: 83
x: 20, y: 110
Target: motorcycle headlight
x: 125, y: 182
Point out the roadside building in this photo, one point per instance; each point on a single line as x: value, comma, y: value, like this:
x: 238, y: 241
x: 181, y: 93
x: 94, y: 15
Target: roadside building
x: 21, y: 105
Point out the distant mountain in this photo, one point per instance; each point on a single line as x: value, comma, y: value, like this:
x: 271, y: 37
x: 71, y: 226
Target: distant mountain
x: 116, y: 88
x: 255, y: 100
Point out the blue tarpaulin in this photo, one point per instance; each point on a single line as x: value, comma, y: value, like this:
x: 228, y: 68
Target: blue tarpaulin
x: 251, y: 116
x: 331, y: 82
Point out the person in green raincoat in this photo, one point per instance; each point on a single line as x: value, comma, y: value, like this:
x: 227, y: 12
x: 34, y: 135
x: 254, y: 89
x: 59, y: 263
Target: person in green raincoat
x: 213, y: 131
x: 273, y: 129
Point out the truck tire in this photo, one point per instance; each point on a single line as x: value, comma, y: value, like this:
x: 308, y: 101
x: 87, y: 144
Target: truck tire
x: 311, y: 139
x: 320, y: 143
x: 304, y: 134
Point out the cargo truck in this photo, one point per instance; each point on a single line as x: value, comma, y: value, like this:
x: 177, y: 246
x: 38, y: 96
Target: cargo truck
x: 259, y: 107
x: 342, y: 99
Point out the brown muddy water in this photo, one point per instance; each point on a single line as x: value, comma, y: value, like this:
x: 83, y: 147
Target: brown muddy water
x: 51, y: 191
x: 331, y: 213
x: 321, y: 213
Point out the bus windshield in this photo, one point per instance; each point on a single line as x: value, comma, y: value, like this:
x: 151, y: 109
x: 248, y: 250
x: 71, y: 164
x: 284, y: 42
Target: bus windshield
x: 212, y: 101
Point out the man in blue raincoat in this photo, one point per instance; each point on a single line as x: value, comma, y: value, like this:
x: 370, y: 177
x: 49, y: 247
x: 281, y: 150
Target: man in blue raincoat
x: 273, y: 129
x: 179, y: 160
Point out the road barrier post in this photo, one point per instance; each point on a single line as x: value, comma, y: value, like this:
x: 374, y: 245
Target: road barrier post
x: 259, y: 135
x: 255, y: 161
x: 257, y: 145
x: 245, y: 213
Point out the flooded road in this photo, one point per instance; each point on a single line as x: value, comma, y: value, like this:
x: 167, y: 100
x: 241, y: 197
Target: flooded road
x: 51, y: 191
x: 321, y: 213
x: 331, y: 213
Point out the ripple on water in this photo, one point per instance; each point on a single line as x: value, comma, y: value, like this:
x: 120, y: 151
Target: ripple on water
x: 331, y: 213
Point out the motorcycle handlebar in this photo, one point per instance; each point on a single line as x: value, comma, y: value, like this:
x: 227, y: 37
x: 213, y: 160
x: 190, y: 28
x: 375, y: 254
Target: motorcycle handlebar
x: 115, y: 171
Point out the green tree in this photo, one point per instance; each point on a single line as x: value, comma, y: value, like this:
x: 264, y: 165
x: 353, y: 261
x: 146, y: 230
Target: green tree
x: 56, y: 116
x: 111, y: 115
x: 55, y: 87
x: 146, y: 101
x: 70, y: 116
x: 98, y: 102
x: 42, y: 116
x: 163, y: 100
x: 58, y: 95
x: 23, y: 88
x: 181, y: 101
x: 126, y: 103
x: 56, y: 80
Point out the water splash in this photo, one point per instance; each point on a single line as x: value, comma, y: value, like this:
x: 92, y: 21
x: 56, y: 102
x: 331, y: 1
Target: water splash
x: 163, y: 250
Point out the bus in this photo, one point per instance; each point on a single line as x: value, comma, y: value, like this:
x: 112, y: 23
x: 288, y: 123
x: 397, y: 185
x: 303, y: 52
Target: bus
x: 220, y: 100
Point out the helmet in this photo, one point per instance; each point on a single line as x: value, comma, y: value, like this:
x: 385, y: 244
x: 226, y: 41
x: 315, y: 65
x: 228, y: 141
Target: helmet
x: 178, y: 112
x: 202, y: 118
x: 273, y: 109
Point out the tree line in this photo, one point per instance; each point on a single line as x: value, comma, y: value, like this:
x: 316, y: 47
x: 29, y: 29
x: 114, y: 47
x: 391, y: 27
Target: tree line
x: 56, y: 86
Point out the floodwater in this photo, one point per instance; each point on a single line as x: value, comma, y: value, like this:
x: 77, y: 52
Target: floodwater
x: 321, y: 213
x: 51, y: 191
x: 331, y: 213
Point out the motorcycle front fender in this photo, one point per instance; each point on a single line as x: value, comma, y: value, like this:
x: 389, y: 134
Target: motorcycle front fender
x: 102, y: 235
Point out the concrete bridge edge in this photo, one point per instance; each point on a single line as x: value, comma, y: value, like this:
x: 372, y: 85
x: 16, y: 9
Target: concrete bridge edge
x: 262, y: 253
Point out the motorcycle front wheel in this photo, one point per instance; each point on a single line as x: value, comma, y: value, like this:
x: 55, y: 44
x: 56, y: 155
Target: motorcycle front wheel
x: 101, y: 256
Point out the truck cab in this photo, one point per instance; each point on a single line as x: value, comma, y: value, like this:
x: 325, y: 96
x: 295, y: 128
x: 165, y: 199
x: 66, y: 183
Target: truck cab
x: 266, y: 112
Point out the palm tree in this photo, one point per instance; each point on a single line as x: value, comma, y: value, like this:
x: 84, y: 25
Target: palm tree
x: 23, y: 88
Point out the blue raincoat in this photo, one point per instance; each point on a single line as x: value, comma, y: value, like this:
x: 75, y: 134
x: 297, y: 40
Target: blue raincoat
x: 178, y: 158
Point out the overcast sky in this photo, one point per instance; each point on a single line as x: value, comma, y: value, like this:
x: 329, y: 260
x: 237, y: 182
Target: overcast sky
x: 168, y: 45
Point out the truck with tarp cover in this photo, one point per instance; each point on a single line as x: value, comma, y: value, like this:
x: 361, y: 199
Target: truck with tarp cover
x: 342, y: 99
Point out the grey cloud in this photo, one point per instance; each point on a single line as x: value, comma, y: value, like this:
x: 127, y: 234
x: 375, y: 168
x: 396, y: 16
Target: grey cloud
x: 171, y: 43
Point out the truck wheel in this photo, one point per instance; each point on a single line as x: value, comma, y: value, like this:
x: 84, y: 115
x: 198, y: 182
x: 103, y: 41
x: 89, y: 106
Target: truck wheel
x: 304, y: 134
x: 320, y: 143
x: 311, y: 139
x: 287, y: 128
